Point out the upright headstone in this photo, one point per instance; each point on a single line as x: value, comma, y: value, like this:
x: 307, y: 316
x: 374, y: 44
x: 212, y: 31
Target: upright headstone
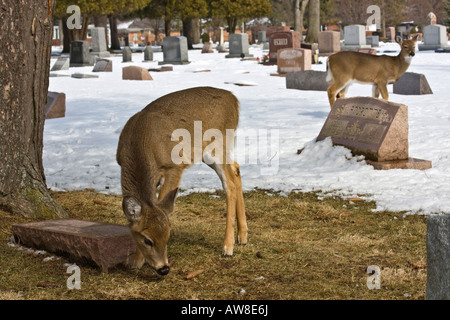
x: 373, y: 41
x: 239, y: 47
x: 103, y: 65
x: 282, y: 40
x: 293, y: 60
x: 411, y: 83
x: 390, y: 33
x: 175, y: 50
x: 56, y: 105
x: 99, y: 47
x: 354, y: 38
x: 79, y: 54
x: 329, y: 43
x: 221, y: 46
x: 374, y: 128
x: 207, y: 47
x: 438, y: 257
x: 148, y: 53
x: 127, y: 55
x: 262, y: 37
x: 61, y: 64
x: 434, y: 37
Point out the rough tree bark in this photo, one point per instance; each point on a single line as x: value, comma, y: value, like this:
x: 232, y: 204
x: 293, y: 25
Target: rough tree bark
x: 115, y: 43
x: 25, y: 49
x: 312, y: 35
x: 299, y: 13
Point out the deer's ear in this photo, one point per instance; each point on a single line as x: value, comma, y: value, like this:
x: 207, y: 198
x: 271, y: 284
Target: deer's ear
x: 399, y: 40
x: 168, y: 203
x: 132, y: 208
x: 415, y: 38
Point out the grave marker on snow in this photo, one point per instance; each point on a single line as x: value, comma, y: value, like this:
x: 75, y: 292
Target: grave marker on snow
x: 103, y: 65
x: 127, y: 55
x: 282, y: 40
x: 374, y: 128
x: 434, y: 37
x: 239, y: 48
x: 354, y: 38
x: 411, y: 83
x: 99, y: 47
x: 135, y: 73
x: 79, y: 54
x: 329, y: 43
x: 61, y: 64
x: 307, y: 80
x: 293, y: 60
x: 56, y: 105
x: 148, y: 53
x: 175, y: 50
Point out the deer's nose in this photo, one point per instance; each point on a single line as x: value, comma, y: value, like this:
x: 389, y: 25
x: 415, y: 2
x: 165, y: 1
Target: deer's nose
x: 412, y: 54
x: 163, y: 271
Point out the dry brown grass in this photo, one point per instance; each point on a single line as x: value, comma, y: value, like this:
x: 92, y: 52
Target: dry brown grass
x: 299, y: 248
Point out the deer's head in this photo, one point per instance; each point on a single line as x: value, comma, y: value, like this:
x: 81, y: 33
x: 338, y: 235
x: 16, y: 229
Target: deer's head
x: 408, y: 47
x: 150, y: 228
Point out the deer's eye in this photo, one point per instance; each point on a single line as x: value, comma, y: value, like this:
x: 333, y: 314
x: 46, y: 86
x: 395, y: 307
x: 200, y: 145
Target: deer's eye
x: 148, y: 242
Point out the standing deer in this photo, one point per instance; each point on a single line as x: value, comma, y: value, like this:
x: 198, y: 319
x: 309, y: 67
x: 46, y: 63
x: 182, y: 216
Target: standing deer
x: 144, y: 154
x: 347, y: 67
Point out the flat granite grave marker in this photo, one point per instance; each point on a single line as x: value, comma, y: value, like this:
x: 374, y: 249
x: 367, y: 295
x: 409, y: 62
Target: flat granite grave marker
x: 374, y: 128
x: 107, y: 245
x: 438, y: 257
x: 411, y: 83
x: 307, y: 80
x: 103, y: 65
x: 61, y: 64
x: 56, y: 105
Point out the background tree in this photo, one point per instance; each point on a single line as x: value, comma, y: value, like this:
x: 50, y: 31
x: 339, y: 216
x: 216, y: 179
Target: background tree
x: 312, y: 36
x: 190, y: 12
x: 233, y: 11
x: 25, y: 49
x: 299, y: 13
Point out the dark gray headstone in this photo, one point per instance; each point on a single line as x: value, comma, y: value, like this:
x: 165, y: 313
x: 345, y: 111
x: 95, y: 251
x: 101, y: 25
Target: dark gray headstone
x: 127, y: 55
x: 79, y: 54
x: 411, y: 83
x: 83, y: 76
x: 148, y: 54
x: 238, y: 46
x: 61, y: 64
x: 307, y: 80
x: 438, y: 257
x: 262, y: 37
x: 103, y: 65
x: 175, y: 50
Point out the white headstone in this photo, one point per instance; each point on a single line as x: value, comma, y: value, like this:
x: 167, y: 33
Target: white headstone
x: 355, y: 35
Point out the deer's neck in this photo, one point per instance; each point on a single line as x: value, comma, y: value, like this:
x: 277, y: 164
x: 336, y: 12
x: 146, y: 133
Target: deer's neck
x: 402, y: 64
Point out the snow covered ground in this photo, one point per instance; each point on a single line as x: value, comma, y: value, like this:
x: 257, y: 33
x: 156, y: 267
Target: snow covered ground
x: 80, y: 149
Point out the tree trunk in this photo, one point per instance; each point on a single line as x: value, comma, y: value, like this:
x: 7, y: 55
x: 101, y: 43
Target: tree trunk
x: 188, y: 32
x: 299, y: 13
x: 80, y: 34
x: 25, y: 49
x: 115, y: 43
x: 312, y: 35
x: 66, y: 38
x: 195, y: 24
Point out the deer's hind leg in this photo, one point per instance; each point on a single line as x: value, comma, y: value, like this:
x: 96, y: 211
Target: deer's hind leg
x: 230, y: 176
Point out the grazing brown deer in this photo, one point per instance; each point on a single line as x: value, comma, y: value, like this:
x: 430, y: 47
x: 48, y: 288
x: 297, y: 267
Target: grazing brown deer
x: 347, y: 67
x: 145, y: 154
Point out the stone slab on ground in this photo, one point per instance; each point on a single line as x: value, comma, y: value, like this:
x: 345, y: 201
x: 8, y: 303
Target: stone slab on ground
x: 135, y: 73
x: 438, y: 257
x: 410, y: 163
x: 307, y: 80
x: 107, y: 245
x: 84, y: 76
